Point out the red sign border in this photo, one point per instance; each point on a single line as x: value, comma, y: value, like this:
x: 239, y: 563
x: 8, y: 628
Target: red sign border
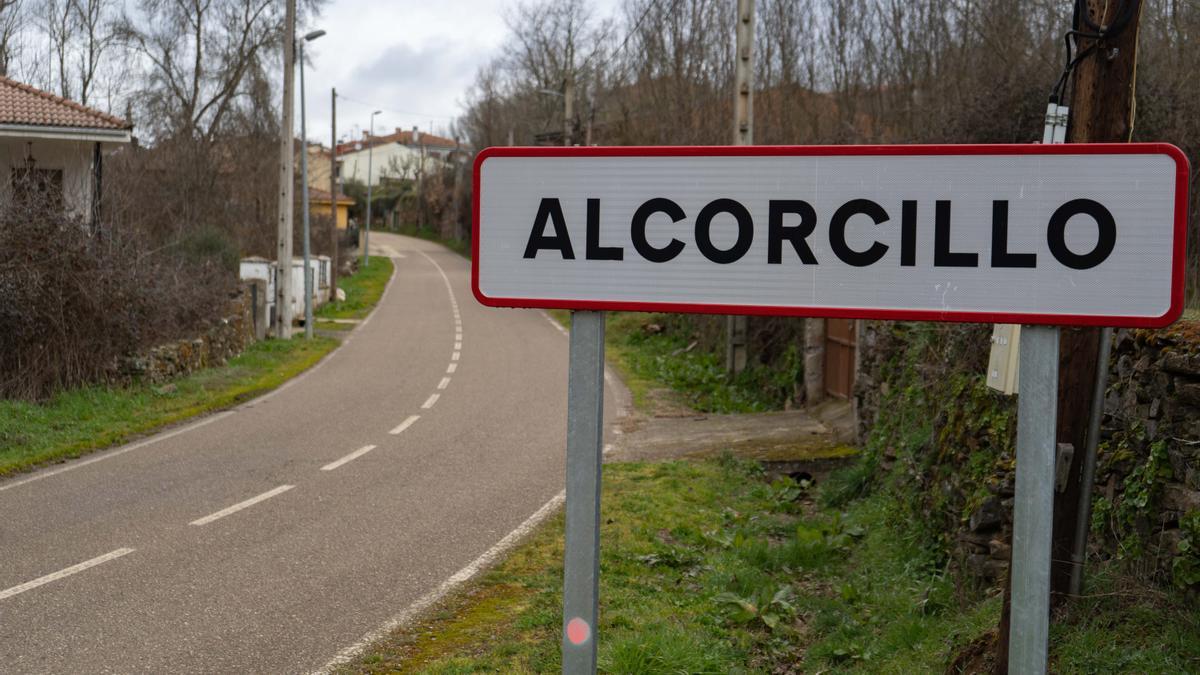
x: 1182, y: 173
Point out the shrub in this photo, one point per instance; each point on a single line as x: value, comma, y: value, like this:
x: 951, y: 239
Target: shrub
x: 73, y: 303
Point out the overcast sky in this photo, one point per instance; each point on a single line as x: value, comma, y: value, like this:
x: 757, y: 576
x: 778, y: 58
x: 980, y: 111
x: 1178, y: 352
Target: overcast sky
x: 414, y: 60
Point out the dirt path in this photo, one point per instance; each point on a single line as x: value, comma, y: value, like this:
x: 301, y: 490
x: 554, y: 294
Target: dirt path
x: 794, y: 435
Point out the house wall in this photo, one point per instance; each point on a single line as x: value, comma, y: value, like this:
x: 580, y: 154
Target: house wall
x: 391, y: 160
x: 73, y: 158
x: 322, y: 209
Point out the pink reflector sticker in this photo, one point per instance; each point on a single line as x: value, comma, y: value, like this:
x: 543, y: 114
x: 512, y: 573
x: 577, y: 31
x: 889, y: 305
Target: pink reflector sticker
x: 578, y: 631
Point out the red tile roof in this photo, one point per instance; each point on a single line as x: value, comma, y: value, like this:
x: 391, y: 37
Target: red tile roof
x: 26, y: 105
x: 403, y: 137
x: 319, y: 195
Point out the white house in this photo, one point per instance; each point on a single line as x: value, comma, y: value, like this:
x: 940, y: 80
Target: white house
x: 54, y: 148
x: 396, y: 156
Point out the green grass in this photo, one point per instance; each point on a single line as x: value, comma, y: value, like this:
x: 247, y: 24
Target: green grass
x: 79, y: 421
x: 363, y: 291
x: 661, y: 366
x: 705, y: 568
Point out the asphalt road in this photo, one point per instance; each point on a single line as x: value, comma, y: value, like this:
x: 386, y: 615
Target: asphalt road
x: 272, y: 537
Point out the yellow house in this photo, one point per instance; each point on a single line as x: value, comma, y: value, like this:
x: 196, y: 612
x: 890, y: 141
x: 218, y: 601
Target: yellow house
x: 319, y: 205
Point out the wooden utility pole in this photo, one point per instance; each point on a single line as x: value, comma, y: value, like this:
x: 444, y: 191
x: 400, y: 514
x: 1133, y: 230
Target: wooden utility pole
x: 456, y: 225
x: 283, y: 251
x: 333, y: 192
x: 568, y: 107
x: 736, y: 327
x: 1102, y: 105
x: 1101, y: 111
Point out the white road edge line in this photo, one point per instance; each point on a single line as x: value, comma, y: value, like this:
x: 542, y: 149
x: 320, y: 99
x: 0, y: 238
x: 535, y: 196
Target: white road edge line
x: 460, y: 577
x: 452, y: 367
x: 433, y: 398
x: 404, y: 425
x: 109, y: 454
x: 348, y: 458
x: 444, y: 383
x: 117, y: 453
x: 55, y: 576
x: 241, y: 505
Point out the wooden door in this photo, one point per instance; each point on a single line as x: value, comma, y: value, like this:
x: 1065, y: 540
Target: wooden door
x: 840, y: 343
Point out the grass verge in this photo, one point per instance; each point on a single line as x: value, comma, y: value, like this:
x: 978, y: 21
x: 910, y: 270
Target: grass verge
x: 707, y: 568
x: 82, y: 420
x: 363, y: 290
x: 79, y: 421
x: 662, y: 369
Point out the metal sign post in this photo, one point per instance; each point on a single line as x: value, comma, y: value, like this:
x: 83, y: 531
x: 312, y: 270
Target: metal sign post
x: 585, y: 439
x: 1037, y: 416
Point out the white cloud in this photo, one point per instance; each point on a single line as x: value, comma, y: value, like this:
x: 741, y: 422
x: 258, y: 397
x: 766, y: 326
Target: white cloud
x: 414, y: 60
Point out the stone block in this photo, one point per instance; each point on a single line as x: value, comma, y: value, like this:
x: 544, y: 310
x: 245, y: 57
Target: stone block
x: 1178, y: 497
x: 1182, y: 364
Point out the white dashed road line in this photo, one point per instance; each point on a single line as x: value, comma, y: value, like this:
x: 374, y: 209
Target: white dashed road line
x: 430, y: 401
x: 452, y: 367
x: 348, y: 458
x: 55, y: 576
x: 444, y: 383
x: 241, y: 505
x: 404, y: 425
x: 454, y: 356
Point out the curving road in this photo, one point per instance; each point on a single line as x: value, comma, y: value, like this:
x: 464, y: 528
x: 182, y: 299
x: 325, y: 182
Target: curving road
x: 278, y: 536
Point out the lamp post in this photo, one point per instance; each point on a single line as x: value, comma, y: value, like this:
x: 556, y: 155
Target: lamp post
x: 370, y: 151
x: 308, y: 277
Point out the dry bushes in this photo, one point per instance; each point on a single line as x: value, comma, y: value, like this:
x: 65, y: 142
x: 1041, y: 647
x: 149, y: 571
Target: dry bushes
x: 72, y: 305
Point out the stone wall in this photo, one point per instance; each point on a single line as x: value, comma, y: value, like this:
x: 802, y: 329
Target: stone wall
x: 934, y: 430
x: 223, y: 339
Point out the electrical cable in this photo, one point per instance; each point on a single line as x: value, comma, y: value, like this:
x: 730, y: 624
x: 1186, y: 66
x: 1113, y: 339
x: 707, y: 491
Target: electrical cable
x: 1097, y: 33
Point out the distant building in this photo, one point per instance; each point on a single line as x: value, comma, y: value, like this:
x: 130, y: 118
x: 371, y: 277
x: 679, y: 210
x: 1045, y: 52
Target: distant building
x: 53, y: 149
x: 319, y: 204
x: 397, y: 156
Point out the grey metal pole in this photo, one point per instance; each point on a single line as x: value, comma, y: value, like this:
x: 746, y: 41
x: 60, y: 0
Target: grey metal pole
x: 1088, y: 477
x: 585, y: 440
x: 370, y: 153
x: 1033, y: 513
x: 308, y: 286
x: 333, y: 192
x: 283, y: 252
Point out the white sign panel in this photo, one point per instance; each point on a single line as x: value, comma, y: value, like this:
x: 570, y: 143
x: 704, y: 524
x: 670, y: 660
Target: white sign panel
x: 1051, y: 234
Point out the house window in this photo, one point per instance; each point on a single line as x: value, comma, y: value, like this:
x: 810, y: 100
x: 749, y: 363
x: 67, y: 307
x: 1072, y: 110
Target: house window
x: 38, y: 186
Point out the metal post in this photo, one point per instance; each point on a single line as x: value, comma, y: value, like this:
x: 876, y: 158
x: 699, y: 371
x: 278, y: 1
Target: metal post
x: 333, y: 193
x: 1088, y: 477
x: 585, y: 438
x: 283, y: 253
x: 308, y: 288
x: 1037, y: 410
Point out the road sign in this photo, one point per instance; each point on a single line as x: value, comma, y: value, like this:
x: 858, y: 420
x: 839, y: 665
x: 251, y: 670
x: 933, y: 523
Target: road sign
x: 1034, y: 234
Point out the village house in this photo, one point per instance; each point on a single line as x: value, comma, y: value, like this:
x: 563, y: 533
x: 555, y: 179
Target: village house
x: 53, y: 149
x: 402, y: 155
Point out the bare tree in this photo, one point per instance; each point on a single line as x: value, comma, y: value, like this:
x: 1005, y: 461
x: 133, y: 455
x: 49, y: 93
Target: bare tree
x: 94, y: 23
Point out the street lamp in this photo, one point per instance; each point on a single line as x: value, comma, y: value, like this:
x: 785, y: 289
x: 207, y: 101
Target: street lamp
x: 370, y: 151
x: 308, y: 277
